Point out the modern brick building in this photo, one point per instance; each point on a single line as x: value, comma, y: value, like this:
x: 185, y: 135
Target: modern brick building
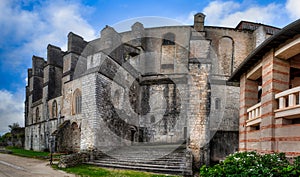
x: 269, y: 94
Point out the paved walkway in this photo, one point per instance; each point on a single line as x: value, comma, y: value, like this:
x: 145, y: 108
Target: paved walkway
x: 15, y: 166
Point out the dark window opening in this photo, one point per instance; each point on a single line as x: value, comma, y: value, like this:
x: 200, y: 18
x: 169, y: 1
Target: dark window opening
x: 296, y: 121
x: 37, y: 114
x: 184, y: 132
x: 168, y: 39
x: 294, y: 77
x: 129, y: 55
x: 133, y: 54
x: 217, y: 103
x: 152, y: 119
x: 259, y: 89
x: 54, y: 109
x: 255, y: 127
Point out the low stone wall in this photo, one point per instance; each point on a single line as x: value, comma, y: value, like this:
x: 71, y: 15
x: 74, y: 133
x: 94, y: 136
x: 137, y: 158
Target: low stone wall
x: 5, y: 151
x: 73, y: 159
x: 189, y: 162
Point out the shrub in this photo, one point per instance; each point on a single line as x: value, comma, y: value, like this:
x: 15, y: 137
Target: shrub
x: 245, y: 164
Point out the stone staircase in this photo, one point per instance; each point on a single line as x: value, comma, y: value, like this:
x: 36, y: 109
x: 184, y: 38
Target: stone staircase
x: 164, y: 158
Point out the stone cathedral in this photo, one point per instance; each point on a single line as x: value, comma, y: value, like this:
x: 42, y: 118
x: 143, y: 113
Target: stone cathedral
x: 147, y: 86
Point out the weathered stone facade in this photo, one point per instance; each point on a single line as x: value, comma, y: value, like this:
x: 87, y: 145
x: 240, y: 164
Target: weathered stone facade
x: 147, y: 85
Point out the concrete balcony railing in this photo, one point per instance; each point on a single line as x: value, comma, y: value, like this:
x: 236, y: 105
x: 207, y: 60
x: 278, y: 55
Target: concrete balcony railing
x: 288, y: 103
x: 254, y: 114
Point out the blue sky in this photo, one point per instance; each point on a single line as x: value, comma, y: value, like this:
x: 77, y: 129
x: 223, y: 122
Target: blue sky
x: 28, y: 26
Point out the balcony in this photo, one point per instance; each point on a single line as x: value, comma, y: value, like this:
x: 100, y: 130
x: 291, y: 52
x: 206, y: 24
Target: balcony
x: 288, y: 104
x: 254, y: 115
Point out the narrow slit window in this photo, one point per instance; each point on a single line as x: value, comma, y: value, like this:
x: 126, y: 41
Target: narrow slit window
x: 217, y: 103
x: 54, y: 109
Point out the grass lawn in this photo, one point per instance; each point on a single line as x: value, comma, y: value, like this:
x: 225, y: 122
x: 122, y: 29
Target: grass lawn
x: 30, y: 153
x: 93, y: 171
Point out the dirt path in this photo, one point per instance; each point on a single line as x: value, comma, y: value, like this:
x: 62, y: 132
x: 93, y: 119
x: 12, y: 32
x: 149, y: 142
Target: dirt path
x: 15, y: 166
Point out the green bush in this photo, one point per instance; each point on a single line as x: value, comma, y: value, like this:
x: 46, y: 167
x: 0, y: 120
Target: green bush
x: 245, y: 164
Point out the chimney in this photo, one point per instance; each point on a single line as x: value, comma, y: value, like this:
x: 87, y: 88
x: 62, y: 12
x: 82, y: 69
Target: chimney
x: 199, y: 22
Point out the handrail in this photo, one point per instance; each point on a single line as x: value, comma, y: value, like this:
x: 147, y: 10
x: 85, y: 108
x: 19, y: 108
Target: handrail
x: 287, y: 92
x: 288, y: 98
x: 254, y: 111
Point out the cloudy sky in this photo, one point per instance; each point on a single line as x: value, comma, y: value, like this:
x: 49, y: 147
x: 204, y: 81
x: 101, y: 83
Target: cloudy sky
x: 28, y: 26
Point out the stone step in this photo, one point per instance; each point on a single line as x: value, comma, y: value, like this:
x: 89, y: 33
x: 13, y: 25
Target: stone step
x: 158, y: 161
x: 143, y: 164
x: 168, y: 159
x: 127, y: 154
x: 144, y: 158
x: 143, y: 153
x: 146, y: 151
x: 142, y: 168
x: 153, y: 155
x: 155, y: 147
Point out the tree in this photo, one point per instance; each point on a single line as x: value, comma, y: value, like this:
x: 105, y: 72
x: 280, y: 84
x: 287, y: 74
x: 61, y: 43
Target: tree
x: 5, y: 139
x: 14, y: 126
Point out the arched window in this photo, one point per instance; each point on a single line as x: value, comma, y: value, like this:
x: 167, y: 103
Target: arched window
x: 77, y: 102
x: 37, y: 114
x: 226, y: 51
x: 217, y: 103
x: 168, y: 39
x: 54, y: 109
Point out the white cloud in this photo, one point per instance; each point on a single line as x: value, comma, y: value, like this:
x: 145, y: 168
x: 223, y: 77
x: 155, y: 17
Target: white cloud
x: 15, y: 21
x: 47, y: 22
x: 28, y: 31
x: 217, y: 10
x: 58, y: 19
x: 11, y: 109
x: 292, y: 7
x: 230, y: 13
x: 265, y: 15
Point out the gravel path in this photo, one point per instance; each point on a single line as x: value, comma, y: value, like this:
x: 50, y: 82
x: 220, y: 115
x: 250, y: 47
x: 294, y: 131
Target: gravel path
x: 15, y: 166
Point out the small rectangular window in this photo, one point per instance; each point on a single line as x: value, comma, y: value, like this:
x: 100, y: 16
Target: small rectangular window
x: 217, y: 103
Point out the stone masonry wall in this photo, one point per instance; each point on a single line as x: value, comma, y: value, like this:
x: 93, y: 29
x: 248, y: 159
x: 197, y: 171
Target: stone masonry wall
x: 199, y: 98
x: 136, y: 88
x: 242, y: 44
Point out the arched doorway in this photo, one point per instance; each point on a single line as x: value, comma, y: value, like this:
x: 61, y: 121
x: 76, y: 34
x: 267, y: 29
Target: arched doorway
x: 68, y: 137
x: 133, y: 132
x: 75, y: 130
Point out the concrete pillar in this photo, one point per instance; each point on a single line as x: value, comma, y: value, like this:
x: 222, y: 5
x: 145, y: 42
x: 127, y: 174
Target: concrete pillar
x: 273, y: 81
x: 248, y: 98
